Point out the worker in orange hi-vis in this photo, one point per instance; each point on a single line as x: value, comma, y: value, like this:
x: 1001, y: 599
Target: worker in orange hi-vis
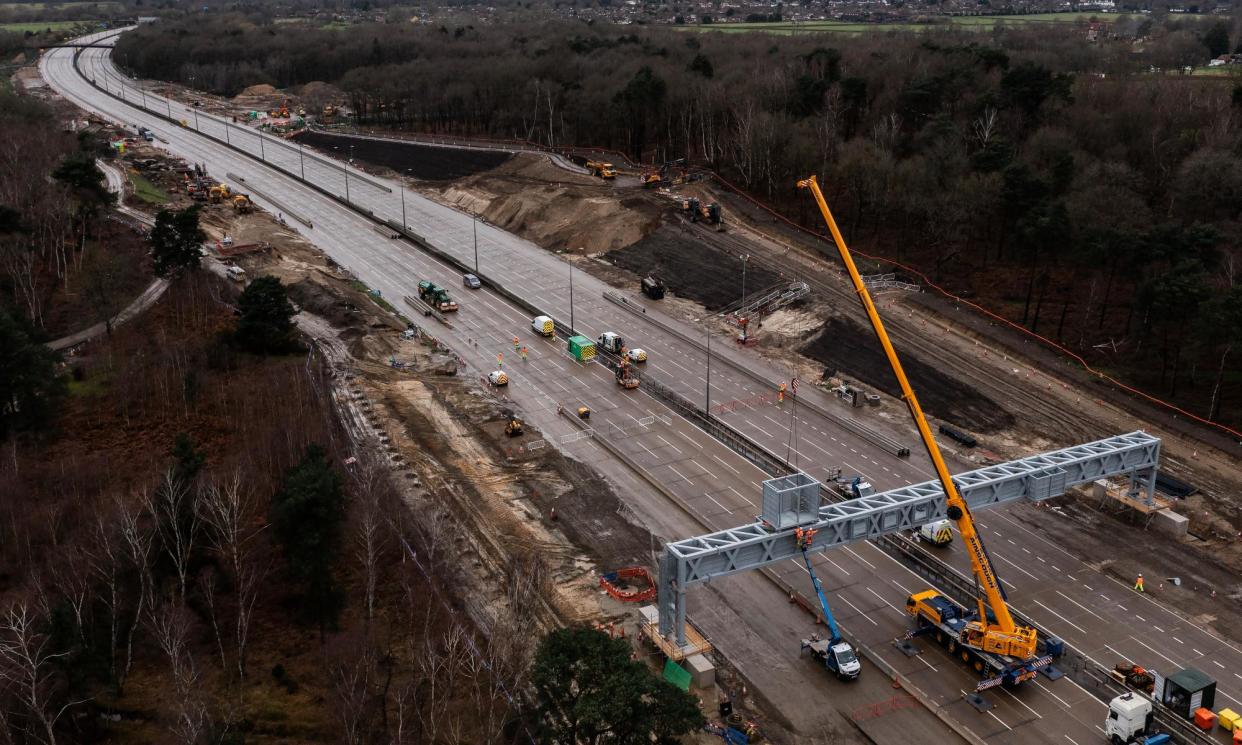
x: 517, y: 343
x: 1138, y: 584
x: 780, y: 394
x: 523, y: 352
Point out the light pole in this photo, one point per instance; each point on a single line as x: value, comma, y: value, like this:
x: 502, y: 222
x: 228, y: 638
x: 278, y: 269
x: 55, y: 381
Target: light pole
x: 196, y: 127
x: 707, y: 396
x: 571, y: 297
x: 474, y: 223
x: 301, y: 163
x: 401, y: 183
x: 227, y: 140
x: 144, y: 97
x: 168, y: 104
x: 262, y: 152
x: 745, y: 319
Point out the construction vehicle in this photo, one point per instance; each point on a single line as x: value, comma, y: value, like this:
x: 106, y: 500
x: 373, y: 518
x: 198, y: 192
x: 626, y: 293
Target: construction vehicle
x: 513, y: 425
x: 146, y: 134
x: 625, y: 376
x: 436, y: 296
x: 581, y: 348
x: 610, y: 341
x: 601, y: 169
x: 498, y: 378
x: 937, y: 533
x: 652, y: 288
x: 699, y: 212
x: 835, y: 653
x: 988, y: 639
x: 654, y: 179
x: 543, y: 326
x: 219, y: 193
x: 1130, y: 721
x: 636, y: 355
x: 242, y: 203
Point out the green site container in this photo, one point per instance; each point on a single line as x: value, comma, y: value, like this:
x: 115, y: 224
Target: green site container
x: 582, y: 348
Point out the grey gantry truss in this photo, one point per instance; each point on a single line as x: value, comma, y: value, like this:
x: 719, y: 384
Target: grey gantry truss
x: 1038, y: 477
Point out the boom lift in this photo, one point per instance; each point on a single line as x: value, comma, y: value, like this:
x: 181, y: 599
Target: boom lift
x: 990, y: 640
x: 836, y: 653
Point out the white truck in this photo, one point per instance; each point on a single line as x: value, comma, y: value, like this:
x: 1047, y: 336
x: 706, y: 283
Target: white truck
x: 1130, y: 721
x: 937, y: 533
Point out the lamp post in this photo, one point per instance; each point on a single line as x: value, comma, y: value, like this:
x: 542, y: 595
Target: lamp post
x: 401, y: 183
x: 745, y: 320
x: 168, y: 105
x: 301, y: 162
x: 474, y: 223
x: 571, y: 297
x: 196, y: 127
x: 262, y: 152
x: 707, y: 395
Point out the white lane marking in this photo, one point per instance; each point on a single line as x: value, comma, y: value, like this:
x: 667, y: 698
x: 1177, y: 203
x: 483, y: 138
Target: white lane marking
x: 855, y: 607
x: 1089, y: 587
x: 1015, y: 566
x: 1063, y: 618
x: 838, y: 566
x: 761, y: 429
x: 689, y: 439
x: 856, y: 556
x: 682, y: 475
x: 1153, y: 649
x: 895, y: 582
x: 1119, y: 605
x: 1144, y: 620
x: 1179, y: 641
x: 882, y: 600
x: 1015, y: 698
x: 1159, y: 630
x: 666, y: 442
x: 1080, y: 605
x: 1214, y: 662
x: 1006, y: 726
x: 1192, y: 649
x: 744, y: 499
x: 919, y: 657
x: 701, y: 468
x: 725, y: 464
x: 1067, y: 737
x: 1048, y: 690
x: 718, y: 504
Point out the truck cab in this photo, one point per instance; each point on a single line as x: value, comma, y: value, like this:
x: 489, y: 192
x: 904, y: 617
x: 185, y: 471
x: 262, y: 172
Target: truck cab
x: 610, y: 341
x: 838, y: 656
x: 861, y: 488
x: 1129, y: 717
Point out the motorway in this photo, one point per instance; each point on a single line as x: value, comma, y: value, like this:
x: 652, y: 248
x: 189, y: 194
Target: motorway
x: 1087, y: 608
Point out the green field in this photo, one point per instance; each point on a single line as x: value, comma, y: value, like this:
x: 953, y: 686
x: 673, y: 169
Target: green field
x: 973, y: 23
x: 147, y: 191
x: 41, y: 26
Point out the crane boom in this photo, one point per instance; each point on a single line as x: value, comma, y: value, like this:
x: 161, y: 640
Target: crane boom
x: 1001, y: 635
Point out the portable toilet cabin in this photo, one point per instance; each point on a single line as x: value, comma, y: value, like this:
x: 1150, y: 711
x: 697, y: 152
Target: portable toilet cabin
x: 582, y: 348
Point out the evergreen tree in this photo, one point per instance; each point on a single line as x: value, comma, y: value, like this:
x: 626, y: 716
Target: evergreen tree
x: 266, y: 325
x: 31, y: 388
x: 176, y: 242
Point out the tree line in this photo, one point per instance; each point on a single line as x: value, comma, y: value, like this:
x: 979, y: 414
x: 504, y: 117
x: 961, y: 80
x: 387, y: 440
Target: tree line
x: 1085, y: 189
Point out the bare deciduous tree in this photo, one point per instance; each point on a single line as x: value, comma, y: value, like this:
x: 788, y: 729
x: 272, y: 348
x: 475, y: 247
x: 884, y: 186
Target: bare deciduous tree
x: 26, y: 664
x: 173, y: 504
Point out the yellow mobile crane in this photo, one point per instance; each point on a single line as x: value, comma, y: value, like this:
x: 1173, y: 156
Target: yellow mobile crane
x: 991, y: 642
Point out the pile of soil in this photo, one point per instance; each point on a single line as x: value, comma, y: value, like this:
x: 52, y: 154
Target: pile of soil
x: 420, y: 161
x: 691, y: 268
x: 556, y: 208
x: 262, y: 89
x: 847, y: 348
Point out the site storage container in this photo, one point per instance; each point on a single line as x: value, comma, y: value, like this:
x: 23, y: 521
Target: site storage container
x: 582, y: 348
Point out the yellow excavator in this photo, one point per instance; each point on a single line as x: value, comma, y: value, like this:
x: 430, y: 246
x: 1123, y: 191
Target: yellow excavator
x: 991, y: 641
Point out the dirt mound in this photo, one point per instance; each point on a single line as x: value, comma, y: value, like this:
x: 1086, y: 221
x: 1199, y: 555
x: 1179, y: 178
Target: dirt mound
x: 691, y: 268
x: 420, y: 161
x: 847, y: 348
x: 255, y: 91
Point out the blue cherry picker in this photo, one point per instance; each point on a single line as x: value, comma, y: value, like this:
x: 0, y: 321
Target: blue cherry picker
x: 835, y: 653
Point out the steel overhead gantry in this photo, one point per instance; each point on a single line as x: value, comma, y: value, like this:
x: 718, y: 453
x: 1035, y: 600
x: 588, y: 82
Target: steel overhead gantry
x: 793, y: 501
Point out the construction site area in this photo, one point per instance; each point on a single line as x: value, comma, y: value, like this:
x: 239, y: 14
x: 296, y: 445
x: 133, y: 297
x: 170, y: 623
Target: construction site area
x: 829, y: 502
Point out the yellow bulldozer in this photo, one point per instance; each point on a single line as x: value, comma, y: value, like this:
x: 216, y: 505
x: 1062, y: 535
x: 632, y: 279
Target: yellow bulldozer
x: 242, y: 203
x: 218, y: 193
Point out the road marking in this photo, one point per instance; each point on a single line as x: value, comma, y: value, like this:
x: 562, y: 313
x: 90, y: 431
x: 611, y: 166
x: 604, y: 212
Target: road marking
x: 1063, y: 618
x: 1089, y: 587
x: 679, y: 473
x: 860, y: 612
x: 1119, y: 605
x: 718, y: 504
x: 1174, y: 638
x: 1192, y: 649
x: 838, y: 566
x: 1015, y: 566
x: 1015, y: 698
x: 1080, y: 605
x: 666, y: 442
x: 1214, y: 662
x: 739, y: 496
x: 1140, y: 641
x: 1067, y: 737
x: 1159, y: 630
x: 725, y: 464
x: 688, y: 439
x: 1054, y: 568
x: 1144, y: 620
x: 856, y: 556
x: 770, y: 419
x: 761, y: 429
x: 895, y: 582
x: 1006, y: 726
x: 882, y: 600
x: 701, y: 468
x: 1050, y: 693
x: 919, y: 657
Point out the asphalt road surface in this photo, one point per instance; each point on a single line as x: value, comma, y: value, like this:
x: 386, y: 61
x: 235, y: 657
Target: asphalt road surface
x: 867, y: 589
